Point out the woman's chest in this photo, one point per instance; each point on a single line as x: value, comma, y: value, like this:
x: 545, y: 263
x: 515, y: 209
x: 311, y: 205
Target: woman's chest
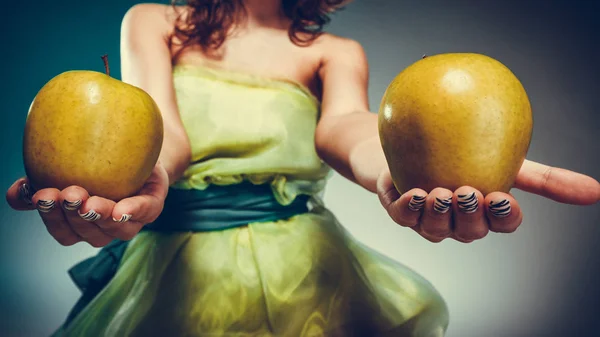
x: 263, y: 57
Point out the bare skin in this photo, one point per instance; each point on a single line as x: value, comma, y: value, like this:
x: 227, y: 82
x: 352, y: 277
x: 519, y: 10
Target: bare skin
x: 335, y: 69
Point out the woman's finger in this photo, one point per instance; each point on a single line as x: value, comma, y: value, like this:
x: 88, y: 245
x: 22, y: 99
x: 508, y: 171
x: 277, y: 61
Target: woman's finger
x: 131, y: 214
x: 558, y: 184
x: 148, y: 204
x: 19, y: 195
x: 407, y: 209
x: 470, y: 222
x: 503, y: 212
x: 141, y: 208
x: 81, y: 220
x: 123, y: 228
x: 99, y: 211
x: 47, y: 203
x: 437, y: 215
x: 426, y: 236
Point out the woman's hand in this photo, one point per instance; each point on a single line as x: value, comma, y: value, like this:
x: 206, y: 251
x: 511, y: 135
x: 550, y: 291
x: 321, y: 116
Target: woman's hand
x: 72, y: 215
x: 466, y: 215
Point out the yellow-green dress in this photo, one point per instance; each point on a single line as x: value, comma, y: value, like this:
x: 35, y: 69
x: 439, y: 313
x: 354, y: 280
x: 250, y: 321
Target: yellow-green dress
x: 298, y: 275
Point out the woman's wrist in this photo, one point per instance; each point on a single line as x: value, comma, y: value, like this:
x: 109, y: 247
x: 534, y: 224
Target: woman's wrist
x: 175, y: 167
x: 381, y: 178
x: 368, y: 162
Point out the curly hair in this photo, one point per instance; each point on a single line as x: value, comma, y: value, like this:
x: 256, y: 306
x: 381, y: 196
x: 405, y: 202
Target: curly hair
x: 207, y: 23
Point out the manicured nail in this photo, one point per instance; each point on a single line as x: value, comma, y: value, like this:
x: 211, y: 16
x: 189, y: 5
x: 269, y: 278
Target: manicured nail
x: 500, y: 209
x: 468, y: 203
x: 124, y: 218
x: 442, y: 205
x: 25, y: 194
x: 45, y: 206
x: 72, y: 205
x: 416, y: 203
x: 90, y: 216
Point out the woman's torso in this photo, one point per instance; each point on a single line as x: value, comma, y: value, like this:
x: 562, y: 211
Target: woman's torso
x: 250, y: 111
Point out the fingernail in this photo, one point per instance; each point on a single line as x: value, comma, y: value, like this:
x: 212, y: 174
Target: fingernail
x: 90, y: 216
x: 500, y: 209
x: 442, y: 205
x: 71, y: 205
x: 45, y: 206
x: 416, y: 203
x: 124, y: 218
x: 25, y: 194
x: 468, y: 203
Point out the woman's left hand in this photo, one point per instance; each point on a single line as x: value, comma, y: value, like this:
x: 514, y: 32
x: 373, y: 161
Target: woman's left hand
x: 467, y: 215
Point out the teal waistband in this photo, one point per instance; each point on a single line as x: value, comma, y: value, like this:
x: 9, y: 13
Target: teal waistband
x: 216, y: 208
x: 223, y: 207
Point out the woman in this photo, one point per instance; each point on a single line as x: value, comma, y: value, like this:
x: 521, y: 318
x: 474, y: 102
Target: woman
x: 257, y: 106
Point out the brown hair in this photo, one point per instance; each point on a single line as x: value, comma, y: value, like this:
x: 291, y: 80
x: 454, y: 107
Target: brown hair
x: 207, y: 22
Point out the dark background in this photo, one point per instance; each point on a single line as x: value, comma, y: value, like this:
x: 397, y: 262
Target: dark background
x: 542, y: 280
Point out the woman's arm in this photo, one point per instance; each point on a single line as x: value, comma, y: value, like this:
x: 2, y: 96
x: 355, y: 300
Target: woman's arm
x: 347, y: 139
x: 347, y: 134
x: 72, y: 215
x: 146, y: 63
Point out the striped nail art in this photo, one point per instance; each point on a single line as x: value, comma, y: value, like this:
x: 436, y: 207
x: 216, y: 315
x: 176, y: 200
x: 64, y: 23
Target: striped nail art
x: 468, y: 203
x: 45, y: 206
x: 124, y: 218
x: 416, y: 203
x: 25, y: 194
x: 71, y: 205
x: 90, y: 216
x: 500, y: 209
x: 442, y: 205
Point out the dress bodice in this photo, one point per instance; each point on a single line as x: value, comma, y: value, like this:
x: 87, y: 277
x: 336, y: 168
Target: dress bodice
x: 244, y: 127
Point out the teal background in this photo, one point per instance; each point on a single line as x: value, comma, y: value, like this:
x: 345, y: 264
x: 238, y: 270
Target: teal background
x: 540, y: 281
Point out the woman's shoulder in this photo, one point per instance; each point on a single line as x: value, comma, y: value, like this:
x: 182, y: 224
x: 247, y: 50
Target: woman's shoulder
x: 334, y: 47
x: 336, y: 41
x: 157, y: 17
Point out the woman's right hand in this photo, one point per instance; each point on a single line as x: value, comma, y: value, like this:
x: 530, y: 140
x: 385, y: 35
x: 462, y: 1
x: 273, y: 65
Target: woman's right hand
x: 72, y: 215
x: 146, y: 62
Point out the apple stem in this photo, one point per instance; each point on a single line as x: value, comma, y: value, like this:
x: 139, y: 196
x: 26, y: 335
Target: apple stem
x: 424, y: 56
x: 106, y: 67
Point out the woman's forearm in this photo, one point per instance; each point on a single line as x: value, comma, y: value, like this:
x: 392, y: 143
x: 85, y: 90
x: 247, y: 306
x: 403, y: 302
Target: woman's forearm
x: 350, y: 144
